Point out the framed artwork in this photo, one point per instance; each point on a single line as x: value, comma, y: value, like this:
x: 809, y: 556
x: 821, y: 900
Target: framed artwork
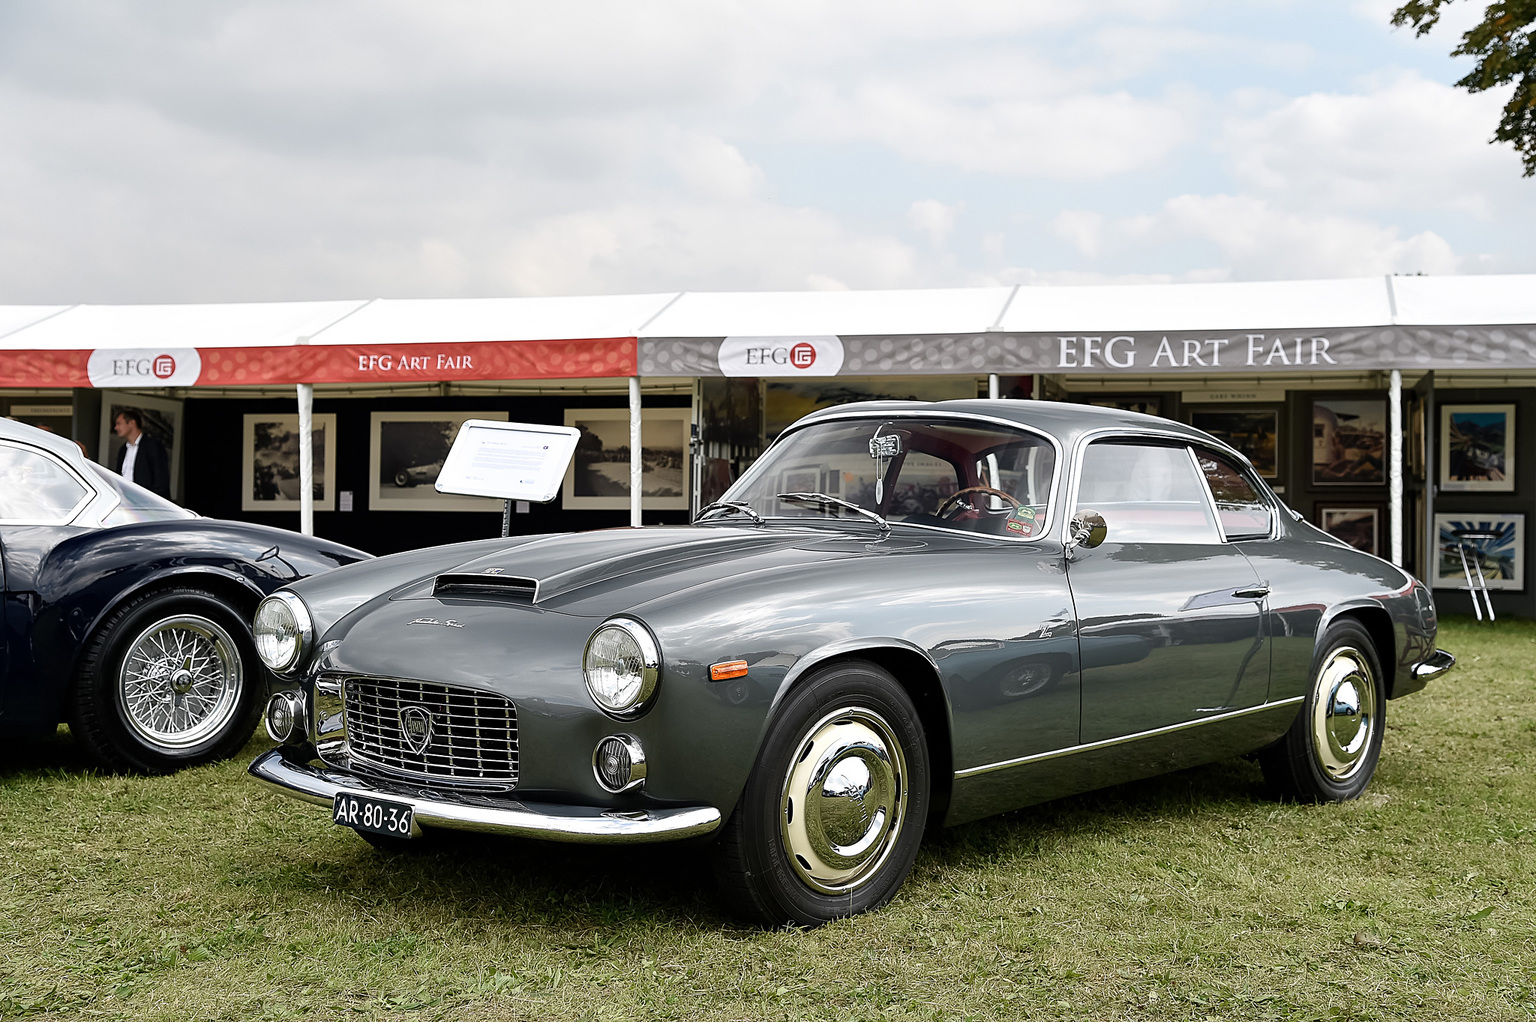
x: 1417, y: 453
x: 1253, y: 431
x: 598, y: 478
x: 1496, y: 542
x: 1477, y: 448
x: 406, y: 451
x: 161, y: 419
x: 269, y: 464
x: 1359, y: 526
x: 1349, y: 442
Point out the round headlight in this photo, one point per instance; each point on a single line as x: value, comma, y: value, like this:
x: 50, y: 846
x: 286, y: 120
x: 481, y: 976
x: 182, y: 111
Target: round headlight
x: 282, y: 631
x: 622, y: 664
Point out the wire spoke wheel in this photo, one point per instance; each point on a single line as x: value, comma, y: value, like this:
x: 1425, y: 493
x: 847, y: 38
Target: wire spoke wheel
x: 180, y: 681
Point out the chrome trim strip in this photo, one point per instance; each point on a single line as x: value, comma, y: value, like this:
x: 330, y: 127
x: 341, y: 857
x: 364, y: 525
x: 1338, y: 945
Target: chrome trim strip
x: 1434, y: 665
x: 547, y: 821
x: 1124, y: 739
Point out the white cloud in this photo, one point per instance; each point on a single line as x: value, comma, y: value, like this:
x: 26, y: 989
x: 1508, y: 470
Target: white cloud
x: 1083, y: 229
x: 933, y: 219
x: 1404, y: 143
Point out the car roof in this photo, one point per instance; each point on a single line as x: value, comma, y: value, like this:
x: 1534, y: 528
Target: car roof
x: 1064, y: 420
x: 63, y: 446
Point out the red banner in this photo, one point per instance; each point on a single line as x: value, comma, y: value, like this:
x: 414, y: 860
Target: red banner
x: 397, y: 363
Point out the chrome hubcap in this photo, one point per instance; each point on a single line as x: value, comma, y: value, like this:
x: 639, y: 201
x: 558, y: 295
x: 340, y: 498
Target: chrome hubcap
x: 180, y: 681
x: 1344, y: 715
x: 844, y: 800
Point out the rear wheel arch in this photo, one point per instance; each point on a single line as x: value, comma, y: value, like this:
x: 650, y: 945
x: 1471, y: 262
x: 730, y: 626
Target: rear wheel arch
x: 1378, y: 625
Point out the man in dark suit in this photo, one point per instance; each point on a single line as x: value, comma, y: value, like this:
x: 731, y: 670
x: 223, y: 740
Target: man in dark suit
x: 142, y: 458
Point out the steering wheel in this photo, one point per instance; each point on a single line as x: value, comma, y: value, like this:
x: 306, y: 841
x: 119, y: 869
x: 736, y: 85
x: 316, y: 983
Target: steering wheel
x: 949, y: 502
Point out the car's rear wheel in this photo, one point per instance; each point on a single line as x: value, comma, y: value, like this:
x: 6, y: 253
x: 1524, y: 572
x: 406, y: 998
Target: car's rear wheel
x: 833, y: 812
x: 169, y: 680
x: 1332, y: 748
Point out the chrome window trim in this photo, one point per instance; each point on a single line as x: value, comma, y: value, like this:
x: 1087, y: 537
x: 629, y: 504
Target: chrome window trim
x: 968, y: 417
x: 1244, y: 468
x: 91, y: 493
x: 1107, y: 743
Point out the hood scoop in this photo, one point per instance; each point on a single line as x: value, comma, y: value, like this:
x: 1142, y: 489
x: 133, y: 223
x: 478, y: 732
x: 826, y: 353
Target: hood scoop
x: 482, y: 584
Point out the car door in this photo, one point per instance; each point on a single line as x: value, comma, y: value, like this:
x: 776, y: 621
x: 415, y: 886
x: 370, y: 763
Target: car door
x: 1170, y: 627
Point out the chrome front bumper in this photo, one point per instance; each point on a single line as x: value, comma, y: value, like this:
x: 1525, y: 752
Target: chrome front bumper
x: 1434, y: 665
x: 455, y: 811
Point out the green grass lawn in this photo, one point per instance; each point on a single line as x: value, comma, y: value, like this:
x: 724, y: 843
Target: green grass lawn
x: 204, y: 896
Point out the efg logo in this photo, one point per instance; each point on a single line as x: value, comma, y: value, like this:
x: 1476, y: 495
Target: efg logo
x: 141, y: 367
x: 781, y: 356
x: 164, y: 367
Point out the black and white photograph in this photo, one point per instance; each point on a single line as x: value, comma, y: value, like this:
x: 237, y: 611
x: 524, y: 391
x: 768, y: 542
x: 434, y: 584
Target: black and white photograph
x: 1349, y: 442
x: 269, y: 470
x: 406, y: 451
x: 159, y: 418
x: 1253, y: 431
x: 1477, y: 448
x: 1360, y: 527
x: 599, y: 474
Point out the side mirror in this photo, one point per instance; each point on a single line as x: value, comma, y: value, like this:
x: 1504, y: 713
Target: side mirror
x: 1087, y: 529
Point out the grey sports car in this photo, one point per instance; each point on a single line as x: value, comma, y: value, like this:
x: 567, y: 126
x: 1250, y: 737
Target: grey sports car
x: 904, y: 615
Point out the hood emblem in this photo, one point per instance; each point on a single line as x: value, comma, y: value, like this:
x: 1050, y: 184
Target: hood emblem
x: 493, y: 571
x: 416, y: 727
x: 449, y: 623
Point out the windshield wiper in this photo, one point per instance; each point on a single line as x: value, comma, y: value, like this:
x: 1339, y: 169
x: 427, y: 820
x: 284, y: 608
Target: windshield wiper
x: 827, y: 500
x: 724, y: 506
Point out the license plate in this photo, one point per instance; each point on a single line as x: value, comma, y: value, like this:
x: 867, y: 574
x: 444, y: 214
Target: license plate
x: 375, y: 815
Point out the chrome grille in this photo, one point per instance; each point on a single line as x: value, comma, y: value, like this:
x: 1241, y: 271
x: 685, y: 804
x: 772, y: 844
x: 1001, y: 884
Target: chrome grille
x: 473, y: 735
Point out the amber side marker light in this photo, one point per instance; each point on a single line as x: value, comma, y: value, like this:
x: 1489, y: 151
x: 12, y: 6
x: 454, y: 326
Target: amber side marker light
x: 726, y: 671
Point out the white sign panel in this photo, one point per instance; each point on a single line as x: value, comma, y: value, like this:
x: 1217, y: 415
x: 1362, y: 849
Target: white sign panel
x: 781, y: 356
x: 144, y: 367
x: 510, y: 460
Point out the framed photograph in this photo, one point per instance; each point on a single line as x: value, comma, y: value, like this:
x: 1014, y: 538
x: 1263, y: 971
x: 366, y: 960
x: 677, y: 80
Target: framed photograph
x: 1417, y: 454
x: 161, y: 419
x: 1496, y: 543
x: 599, y: 474
x: 1477, y: 448
x: 269, y: 466
x: 1349, y: 442
x: 785, y: 401
x: 406, y: 451
x: 1360, y: 527
x: 1253, y: 431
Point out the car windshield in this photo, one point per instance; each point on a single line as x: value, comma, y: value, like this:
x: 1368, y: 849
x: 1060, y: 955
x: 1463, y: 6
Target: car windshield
x: 136, y: 504
x: 938, y: 472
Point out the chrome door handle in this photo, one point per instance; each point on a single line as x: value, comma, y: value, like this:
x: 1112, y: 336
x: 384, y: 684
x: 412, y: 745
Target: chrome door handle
x: 1257, y: 592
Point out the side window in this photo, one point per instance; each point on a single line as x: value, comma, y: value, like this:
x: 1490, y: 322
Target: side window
x: 34, y: 487
x: 1146, y: 493
x: 1244, y: 513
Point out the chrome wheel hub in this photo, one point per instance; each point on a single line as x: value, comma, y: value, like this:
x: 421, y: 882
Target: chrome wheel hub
x: 180, y: 681
x: 844, y: 800
x: 1344, y: 716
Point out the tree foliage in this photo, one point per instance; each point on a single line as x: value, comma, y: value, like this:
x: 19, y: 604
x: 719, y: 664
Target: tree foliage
x: 1504, y: 44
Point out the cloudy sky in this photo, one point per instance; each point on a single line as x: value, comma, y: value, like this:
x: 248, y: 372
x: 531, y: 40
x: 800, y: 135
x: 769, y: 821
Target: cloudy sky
x: 194, y: 150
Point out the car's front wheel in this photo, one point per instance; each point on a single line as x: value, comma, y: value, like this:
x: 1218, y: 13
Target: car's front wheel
x: 169, y: 680
x: 1331, y: 750
x: 833, y: 812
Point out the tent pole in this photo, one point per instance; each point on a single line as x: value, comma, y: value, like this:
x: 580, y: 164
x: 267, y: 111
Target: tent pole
x: 306, y: 459
x: 992, y: 386
x: 1395, y: 447
x: 636, y: 464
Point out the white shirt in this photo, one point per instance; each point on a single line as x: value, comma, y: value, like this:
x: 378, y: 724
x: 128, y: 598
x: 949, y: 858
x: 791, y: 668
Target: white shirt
x: 131, y: 457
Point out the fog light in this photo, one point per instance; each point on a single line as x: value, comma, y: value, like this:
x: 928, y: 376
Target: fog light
x: 284, y: 715
x: 619, y: 763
